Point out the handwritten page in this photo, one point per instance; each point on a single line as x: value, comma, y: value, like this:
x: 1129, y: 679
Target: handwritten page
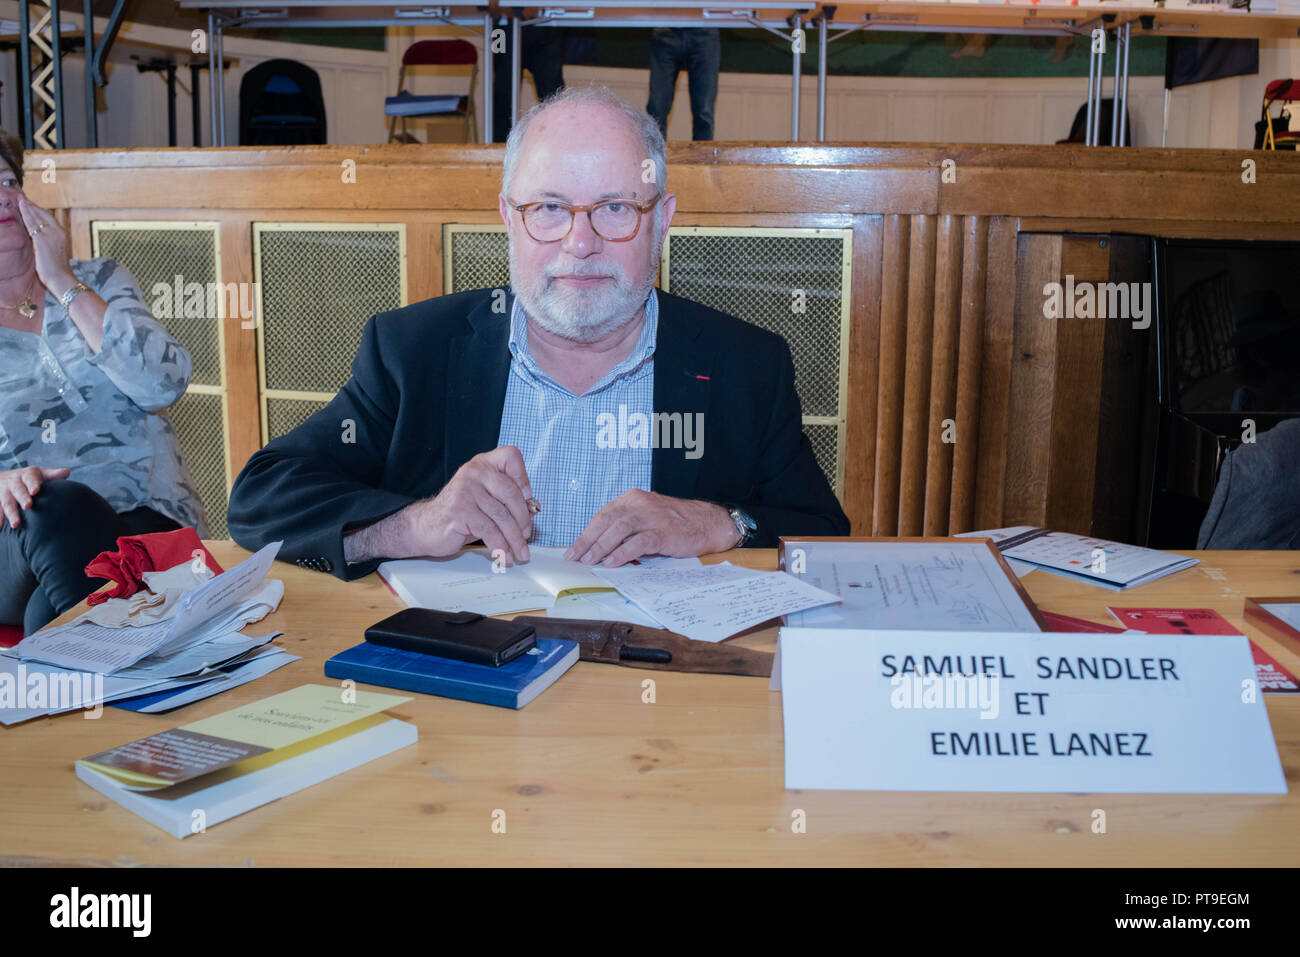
x: 712, y: 602
x: 955, y: 586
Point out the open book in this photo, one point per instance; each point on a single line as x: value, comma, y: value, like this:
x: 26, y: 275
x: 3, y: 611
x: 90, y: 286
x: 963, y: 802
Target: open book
x: 472, y: 581
x: 704, y: 602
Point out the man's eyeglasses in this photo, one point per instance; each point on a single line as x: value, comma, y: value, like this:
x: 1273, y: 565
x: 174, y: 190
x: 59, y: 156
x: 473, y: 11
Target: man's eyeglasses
x: 617, y: 220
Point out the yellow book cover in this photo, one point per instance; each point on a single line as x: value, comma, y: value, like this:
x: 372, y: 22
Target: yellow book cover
x: 294, y: 721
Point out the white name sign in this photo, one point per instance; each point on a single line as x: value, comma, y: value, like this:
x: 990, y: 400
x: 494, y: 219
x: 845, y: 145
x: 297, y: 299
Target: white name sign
x: 960, y: 711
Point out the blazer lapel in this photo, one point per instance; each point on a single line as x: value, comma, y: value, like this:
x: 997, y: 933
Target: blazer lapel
x: 683, y: 372
x: 479, y: 365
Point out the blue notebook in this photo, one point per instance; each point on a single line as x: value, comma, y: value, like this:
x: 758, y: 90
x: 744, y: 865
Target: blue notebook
x: 512, y: 685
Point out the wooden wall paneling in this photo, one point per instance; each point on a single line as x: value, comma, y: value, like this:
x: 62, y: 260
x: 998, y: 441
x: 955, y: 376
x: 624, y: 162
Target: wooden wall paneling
x: 243, y: 408
x: 970, y: 348
x: 78, y: 224
x: 864, y: 348
x: 1076, y: 392
x: 995, y: 385
x: 916, y: 376
x: 423, y: 260
x: 1029, y: 449
x: 943, y: 374
x: 889, y: 374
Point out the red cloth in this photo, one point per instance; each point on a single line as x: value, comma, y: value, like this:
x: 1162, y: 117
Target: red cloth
x: 137, y: 554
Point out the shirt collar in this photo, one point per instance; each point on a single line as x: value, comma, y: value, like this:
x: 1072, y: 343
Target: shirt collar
x: 641, y: 352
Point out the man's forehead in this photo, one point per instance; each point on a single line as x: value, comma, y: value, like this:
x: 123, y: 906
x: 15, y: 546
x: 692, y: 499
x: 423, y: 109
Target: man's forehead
x: 593, y: 153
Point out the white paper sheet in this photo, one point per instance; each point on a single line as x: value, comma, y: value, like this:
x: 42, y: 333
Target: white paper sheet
x: 712, y: 602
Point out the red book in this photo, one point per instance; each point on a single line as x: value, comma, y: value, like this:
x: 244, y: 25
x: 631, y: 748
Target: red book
x: 1271, y: 675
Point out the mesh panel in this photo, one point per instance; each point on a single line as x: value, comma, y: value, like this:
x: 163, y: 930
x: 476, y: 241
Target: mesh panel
x: 479, y: 260
x: 196, y: 418
x: 825, y: 443
x: 318, y: 289
x: 753, y: 277
x: 285, y: 415
x: 159, y: 255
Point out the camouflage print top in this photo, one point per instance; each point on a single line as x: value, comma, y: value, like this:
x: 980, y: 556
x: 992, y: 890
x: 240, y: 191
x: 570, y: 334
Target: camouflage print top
x: 100, y: 413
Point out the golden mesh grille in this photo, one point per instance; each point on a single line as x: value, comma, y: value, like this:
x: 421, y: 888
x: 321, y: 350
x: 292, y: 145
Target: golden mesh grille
x: 158, y: 254
x: 479, y: 259
x: 825, y: 443
x: 318, y: 288
x: 285, y: 415
x: 754, y: 276
x: 196, y: 419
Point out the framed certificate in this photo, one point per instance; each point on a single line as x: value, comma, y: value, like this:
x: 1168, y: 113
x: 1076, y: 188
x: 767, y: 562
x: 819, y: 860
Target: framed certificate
x: 933, y: 583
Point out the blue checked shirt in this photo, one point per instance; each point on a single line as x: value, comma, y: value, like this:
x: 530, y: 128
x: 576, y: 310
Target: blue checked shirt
x: 574, y: 467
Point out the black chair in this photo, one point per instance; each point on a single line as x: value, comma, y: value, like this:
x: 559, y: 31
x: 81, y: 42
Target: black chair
x: 1079, y: 128
x: 280, y: 104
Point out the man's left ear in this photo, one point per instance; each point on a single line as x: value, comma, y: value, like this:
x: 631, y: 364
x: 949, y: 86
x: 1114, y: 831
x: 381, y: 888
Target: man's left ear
x: 670, y: 207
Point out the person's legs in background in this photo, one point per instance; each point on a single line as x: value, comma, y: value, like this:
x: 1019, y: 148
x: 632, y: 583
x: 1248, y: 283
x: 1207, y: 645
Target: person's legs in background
x: 43, y: 561
x: 703, y: 58
x: 543, y: 57
x: 666, y: 49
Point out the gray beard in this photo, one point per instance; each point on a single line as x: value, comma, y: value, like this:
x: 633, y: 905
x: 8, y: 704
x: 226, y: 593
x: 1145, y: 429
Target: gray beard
x: 583, y: 315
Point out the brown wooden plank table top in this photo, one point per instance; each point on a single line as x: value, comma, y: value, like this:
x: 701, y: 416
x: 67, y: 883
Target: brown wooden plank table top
x: 590, y: 774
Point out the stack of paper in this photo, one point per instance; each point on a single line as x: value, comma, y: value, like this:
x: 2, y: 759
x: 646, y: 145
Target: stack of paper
x: 85, y: 665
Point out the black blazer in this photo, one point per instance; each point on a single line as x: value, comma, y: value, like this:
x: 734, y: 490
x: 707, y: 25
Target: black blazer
x: 426, y: 395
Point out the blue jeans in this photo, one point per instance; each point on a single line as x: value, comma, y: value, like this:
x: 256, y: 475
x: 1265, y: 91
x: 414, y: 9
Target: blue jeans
x: 699, y: 52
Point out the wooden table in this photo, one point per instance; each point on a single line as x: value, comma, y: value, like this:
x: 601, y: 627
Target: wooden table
x: 590, y: 774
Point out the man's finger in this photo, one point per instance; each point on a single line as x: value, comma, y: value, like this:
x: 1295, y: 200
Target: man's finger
x: 61, y: 472
x: 497, y: 513
x: 511, y: 461
x: 622, y: 527
x: 642, y: 543
x: 481, y: 527
x: 504, y: 490
x: 595, y: 528
x: 32, y: 479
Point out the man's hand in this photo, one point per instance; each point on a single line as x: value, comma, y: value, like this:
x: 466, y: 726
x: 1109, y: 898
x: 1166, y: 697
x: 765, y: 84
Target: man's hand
x: 19, y: 485
x: 486, y: 498
x: 646, y: 523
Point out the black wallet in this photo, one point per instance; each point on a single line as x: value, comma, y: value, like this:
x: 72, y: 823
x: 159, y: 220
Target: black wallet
x: 463, y: 635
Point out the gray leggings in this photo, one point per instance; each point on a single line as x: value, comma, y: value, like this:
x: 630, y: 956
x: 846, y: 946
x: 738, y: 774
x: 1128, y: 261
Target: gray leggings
x: 43, y: 561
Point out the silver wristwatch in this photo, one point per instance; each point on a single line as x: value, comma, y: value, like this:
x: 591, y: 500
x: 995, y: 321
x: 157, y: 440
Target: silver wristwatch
x: 747, y: 527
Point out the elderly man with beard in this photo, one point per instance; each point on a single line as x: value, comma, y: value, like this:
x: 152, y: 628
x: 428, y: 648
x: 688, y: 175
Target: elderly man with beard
x: 484, y: 415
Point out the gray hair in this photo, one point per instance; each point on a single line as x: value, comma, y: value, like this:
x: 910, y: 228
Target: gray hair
x: 645, y: 125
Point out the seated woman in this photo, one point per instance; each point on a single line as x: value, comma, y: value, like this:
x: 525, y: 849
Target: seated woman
x: 86, y: 454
